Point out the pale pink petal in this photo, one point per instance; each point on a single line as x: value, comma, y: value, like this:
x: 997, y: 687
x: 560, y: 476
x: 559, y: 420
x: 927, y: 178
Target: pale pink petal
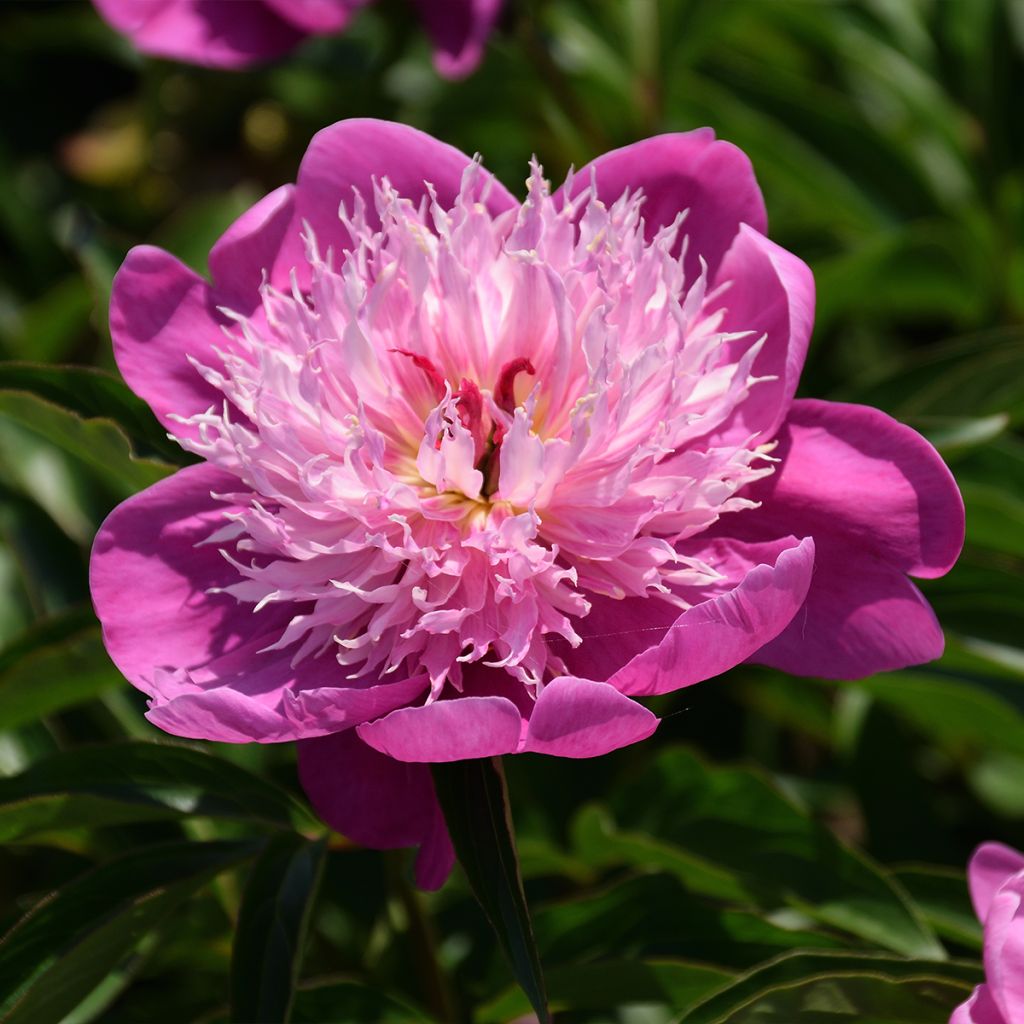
x: 771, y: 295
x: 979, y: 1009
x: 264, y: 242
x: 447, y: 730
x: 377, y: 801
x: 583, y: 718
x: 691, y: 171
x: 459, y: 29
x: 160, y: 314
x: 990, y: 866
x: 216, y: 33
x: 350, y: 155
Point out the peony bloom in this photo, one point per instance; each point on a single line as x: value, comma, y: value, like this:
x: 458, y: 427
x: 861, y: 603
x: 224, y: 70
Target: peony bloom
x: 239, y: 33
x: 996, y: 878
x: 477, y: 473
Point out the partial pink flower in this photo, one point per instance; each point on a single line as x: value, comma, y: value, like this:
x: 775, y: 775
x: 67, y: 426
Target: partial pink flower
x: 996, y: 879
x: 474, y: 473
x: 239, y: 33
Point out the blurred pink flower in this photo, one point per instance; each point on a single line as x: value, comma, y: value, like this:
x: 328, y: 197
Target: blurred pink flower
x: 996, y: 878
x: 477, y: 473
x: 238, y: 33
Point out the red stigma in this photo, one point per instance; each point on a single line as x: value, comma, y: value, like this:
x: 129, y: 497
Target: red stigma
x: 504, y: 393
x: 431, y: 371
x: 471, y: 413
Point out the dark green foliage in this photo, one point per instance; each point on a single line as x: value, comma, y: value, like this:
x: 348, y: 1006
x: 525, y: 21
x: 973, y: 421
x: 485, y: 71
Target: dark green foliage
x: 782, y: 850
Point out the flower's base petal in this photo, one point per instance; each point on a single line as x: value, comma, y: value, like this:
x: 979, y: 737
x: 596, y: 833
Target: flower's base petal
x: 436, y: 858
x: 377, y: 801
x: 583, y: 718
x: 723, y: 631
x: 447, y: 730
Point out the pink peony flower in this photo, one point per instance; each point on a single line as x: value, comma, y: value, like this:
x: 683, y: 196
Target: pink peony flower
x: 477, y: 473
x: 238, y: 33
x: 996, y: 878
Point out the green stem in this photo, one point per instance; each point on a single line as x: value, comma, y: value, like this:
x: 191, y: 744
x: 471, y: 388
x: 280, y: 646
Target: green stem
x: 474, y: 798
x: 433, y: 982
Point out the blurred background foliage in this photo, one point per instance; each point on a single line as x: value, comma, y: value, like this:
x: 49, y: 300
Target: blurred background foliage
x: 783, y: 849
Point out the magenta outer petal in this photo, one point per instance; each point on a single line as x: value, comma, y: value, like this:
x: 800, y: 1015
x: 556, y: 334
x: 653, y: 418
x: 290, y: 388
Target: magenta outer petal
x: 149, y: 580
x: 459, y: 29
x: 199, y: 655
x: 349, y: 155
x: 256, y: 696
x: 990, y: 866
x: 979, y: 1009
x: 447, y: 730
x: 714, y: 636
x: 583, y: 718
x: 215, y: 33
x: 686, y: 171
x: 772, y: 295
x: 861, y: 617
x: 1004, y: 950
x: 377, y: 801
x: 266, y: 238
x: 855, y: 473
x: 879, y: 503
x: 160, y: 313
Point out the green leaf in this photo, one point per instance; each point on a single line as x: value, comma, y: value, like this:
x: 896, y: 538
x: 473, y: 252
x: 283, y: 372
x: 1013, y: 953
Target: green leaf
x: 98, y: 443
x: 650, y: 915
x: 780, y: 987
x: 474, y: 798
x: 38, y: 679
x: 353, y: 1002
x: 953, y: 435
x: 735, y: 820
x: 857, y: 998
x: 960, y: 715
x: 272, y: 924
x: 67, y: 944
x: 92, y: 393
x: 598, y: 843
x: 610, y: 984
x: 943, y: 897
x: 124, y: 782
x: 976, y: 375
